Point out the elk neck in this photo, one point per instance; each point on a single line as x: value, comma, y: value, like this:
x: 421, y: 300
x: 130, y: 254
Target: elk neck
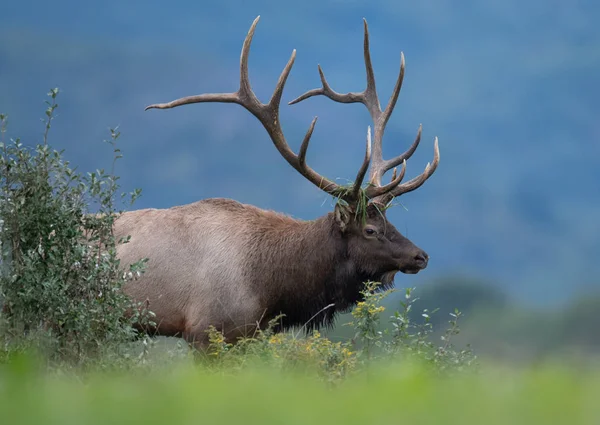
x: 301, y: 267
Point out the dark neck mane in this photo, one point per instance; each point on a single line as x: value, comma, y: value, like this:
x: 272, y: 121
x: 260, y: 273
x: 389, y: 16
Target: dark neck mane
x: 306, y: 270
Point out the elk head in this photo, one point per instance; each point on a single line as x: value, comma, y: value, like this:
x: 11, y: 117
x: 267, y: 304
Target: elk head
x: 373, y: 243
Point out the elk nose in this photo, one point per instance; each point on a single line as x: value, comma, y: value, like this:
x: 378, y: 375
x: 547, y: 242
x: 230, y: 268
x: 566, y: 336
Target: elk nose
x: 421, y: 259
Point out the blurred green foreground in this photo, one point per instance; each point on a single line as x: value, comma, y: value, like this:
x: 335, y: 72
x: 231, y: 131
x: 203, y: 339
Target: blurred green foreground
x: 385, y: 394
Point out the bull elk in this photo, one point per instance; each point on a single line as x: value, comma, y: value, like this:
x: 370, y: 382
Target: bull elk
x: 223, y: 263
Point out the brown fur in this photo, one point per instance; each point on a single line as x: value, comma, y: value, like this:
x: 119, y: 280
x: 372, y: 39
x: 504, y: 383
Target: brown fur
x: 219, y: 262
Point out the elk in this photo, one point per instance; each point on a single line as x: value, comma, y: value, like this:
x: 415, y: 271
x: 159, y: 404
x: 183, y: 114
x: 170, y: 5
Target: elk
x: 235, y: 266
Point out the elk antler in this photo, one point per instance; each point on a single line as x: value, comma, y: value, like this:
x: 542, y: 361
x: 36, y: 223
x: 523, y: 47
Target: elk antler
x: 379, y: 166
x: 268, y: 115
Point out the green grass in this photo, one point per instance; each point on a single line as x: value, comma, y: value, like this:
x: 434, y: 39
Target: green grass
x: 387, y: 394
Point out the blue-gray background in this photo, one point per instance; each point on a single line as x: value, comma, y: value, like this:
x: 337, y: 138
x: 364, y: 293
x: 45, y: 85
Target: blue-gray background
x: 510, y: 87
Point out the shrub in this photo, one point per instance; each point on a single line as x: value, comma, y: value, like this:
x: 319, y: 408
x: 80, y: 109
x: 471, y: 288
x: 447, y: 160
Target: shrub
x: 60, y: 280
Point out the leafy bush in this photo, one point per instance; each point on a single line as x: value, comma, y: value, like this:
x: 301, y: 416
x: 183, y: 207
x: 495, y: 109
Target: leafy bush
x: 61, y: 278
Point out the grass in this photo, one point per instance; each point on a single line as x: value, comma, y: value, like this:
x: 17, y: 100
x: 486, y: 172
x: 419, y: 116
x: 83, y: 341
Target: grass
x: 388, y: 394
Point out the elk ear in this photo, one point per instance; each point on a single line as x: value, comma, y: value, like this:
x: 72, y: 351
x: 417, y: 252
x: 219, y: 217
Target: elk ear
x: 343, y: 215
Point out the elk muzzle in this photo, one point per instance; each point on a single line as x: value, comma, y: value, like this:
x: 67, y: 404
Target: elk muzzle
x: 418, y: 263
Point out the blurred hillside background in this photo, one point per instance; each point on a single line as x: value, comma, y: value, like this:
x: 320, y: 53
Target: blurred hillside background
x: 511, y: 216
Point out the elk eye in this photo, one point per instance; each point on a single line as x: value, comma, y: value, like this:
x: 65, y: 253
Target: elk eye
x: 369, y: 231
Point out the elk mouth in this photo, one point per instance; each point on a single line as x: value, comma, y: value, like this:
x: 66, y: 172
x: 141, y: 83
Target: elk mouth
x: 388, y: 277
x: 411, y: 269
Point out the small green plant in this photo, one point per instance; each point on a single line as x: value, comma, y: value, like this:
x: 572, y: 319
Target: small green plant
x: 366, y: 317
x: 61, y: 280
x: 411, y: 339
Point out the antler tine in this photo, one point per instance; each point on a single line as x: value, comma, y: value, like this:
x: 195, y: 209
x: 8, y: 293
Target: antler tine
x: 394, y: 162
x: 243, y: 96
x: 414, y: 183
x: 380, y: 165
x: 367, y: 97
x: 267, y: 114
x: 364, y: 167
x: 371, y: 100
x: 327, y: 91
x: 375, y: 191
